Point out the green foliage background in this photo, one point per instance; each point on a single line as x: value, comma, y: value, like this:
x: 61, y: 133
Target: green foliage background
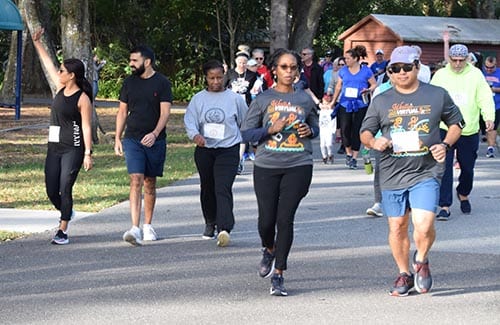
x: 184, y: 33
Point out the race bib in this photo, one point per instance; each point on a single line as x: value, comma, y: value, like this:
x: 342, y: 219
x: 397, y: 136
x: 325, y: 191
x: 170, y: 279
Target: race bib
x: 214, y: 131
x: 460, y: 99
x: 405, y: 141
x: 54, y: 132
x: 351, y: 92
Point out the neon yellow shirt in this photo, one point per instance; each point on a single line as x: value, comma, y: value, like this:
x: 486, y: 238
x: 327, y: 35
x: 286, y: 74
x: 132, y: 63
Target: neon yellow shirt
x: 470, y: 92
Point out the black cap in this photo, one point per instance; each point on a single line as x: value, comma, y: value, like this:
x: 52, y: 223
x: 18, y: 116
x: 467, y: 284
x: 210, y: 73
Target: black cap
x: 329, y: 53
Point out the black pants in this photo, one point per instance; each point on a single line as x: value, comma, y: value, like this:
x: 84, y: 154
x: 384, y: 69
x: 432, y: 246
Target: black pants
x: 279, y: 192
x: 350, y: 124
x: 217, y: 168
x: 466, y: 147
x: 62, y: 165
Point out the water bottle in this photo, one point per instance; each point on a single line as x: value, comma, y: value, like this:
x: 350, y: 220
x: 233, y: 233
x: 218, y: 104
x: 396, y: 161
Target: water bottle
x: 367, y: 160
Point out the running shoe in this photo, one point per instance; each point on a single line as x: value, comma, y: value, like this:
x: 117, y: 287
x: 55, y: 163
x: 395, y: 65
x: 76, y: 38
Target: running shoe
x: 223, y: 238
x: 277, y: 285
x: 266, y: 266
x: 375, y: 210
x: 443, y: 215
x: 133, y: 236
x: 348, y: 159
x: 402, y: 286
x: 353, y: 164
x: 423, y: 278
x: 465, y: 206
x: 60, y: 238
x: 149, y: 233
x: 209, y: 232
x: 490, y: 153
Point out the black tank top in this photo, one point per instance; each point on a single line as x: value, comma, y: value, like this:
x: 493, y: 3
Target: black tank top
x: 65, y: 114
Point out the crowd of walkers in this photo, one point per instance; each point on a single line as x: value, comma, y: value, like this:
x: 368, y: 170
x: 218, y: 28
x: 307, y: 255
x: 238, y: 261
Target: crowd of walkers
x: 268, y: 111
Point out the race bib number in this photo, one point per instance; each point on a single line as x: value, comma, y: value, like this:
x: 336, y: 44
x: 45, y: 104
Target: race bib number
x: 351, y: 92
x: 54, y: 132
x: 405, y: 141
x: 214, y: 131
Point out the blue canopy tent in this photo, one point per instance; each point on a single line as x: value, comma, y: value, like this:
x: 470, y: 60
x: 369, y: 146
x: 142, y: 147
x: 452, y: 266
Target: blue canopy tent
x: 10, y: 19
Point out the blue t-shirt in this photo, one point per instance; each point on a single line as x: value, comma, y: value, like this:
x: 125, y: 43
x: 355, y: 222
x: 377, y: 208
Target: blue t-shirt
x: 352, y: 85
x: 493, y: 80
x: 378, y: 68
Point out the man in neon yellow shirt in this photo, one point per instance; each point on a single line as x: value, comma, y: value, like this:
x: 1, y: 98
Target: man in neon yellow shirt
x: 472, y: 94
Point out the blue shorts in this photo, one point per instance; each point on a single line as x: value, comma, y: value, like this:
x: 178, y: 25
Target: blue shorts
x: 423, y: 195
x: 143, y: 160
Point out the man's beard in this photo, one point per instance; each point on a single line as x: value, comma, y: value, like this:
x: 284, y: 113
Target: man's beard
x: 139, y: 71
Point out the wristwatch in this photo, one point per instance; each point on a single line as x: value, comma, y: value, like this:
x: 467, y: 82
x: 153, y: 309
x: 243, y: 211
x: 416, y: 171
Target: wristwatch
x: 446, y: 145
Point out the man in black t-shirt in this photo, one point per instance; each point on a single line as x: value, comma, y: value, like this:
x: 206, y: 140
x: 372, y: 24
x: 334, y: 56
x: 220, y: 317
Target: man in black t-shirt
x: 145, y: 100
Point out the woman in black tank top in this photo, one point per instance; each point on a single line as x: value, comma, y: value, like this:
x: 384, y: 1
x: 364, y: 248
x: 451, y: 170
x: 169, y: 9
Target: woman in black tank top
x: 70, y: 135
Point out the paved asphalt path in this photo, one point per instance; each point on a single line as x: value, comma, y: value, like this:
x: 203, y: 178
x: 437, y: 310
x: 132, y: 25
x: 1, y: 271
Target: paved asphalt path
x: 340, y: 267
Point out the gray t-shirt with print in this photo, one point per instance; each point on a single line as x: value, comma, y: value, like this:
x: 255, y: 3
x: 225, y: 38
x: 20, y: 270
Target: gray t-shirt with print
x: 411, y: 122
x: 284, y: 149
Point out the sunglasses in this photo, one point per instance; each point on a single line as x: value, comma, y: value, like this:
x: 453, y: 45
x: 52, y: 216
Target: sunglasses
x: 397, y: 68
x: 457, y: 60
x: 304, y: 54
x: 489, y: 68
x: 288, y: 67
x: 259, y: 59
x: 341, y: 64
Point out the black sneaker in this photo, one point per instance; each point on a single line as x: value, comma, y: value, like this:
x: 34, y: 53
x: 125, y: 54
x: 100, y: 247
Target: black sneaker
x: 60, y: 238
x: 353, y: 164
x: 209, y: 232
x: 403, y: 284
x: 465, y: 206
x: 348, y: 159
x: 341, y: 150
x: 266, y: 266
x: 423, y: 278
x: 443, y: 215
x: 277, y: 285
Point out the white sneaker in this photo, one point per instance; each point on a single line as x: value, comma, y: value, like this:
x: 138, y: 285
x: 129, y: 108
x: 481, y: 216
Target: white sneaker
x: 375, y: 210
x: 133, y: 236
x: 223, y: 239
x: 149, y: 233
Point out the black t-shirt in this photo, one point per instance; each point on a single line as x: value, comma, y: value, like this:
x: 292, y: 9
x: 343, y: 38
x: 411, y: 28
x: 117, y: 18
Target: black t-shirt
x: 240, y: 83
x: 143, y: 98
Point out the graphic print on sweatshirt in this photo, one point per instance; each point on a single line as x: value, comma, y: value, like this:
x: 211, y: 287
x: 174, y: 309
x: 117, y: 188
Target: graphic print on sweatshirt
x: 288, y: 139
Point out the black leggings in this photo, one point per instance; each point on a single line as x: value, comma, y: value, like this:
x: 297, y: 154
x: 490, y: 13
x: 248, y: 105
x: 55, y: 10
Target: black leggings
x: 217, y: 168
x: 62, y: 165
x: 279, y: 192
x: 350, y: 124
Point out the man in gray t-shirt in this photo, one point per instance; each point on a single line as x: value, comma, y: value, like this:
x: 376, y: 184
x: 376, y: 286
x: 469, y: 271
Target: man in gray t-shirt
x: 412, y: 161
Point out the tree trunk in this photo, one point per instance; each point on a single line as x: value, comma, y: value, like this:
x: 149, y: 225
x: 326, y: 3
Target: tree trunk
x: 279, y: 30
x: 7, y: 95
x: 75, y: 32
x: 34, y: 82
x: 306, y: 16
x: 75, y: 35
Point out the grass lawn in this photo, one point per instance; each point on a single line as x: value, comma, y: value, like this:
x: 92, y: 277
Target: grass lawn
x: 22, y: 152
